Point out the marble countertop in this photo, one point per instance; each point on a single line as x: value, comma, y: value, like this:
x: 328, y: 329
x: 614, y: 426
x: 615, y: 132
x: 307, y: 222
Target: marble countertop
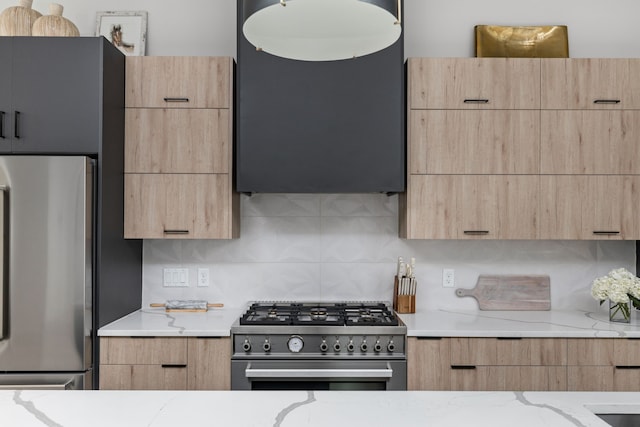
x: 432, y: 323
x: 307, y: 408
x: 540, y: 324
x: 155, y: 322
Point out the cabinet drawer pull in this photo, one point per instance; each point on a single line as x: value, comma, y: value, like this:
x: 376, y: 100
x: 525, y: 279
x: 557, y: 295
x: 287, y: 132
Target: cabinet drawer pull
x: 476, y: 101
x: 476, y: 232
x: 509, y: 338
x: 605, y: 233
x: 627, y: 367
x: 171, y: 366
x: 176, y: 231
x: 169, y: 99
x: 429, y: 338
x: 2, y: 125
x: 606, y: 101
x: 16, y: 125
x: 463, y: 367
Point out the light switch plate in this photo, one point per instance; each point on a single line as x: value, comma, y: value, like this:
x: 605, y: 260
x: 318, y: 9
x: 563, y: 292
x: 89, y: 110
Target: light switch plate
x: 175, y: 277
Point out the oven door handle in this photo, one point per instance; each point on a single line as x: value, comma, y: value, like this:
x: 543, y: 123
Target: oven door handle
x: 318, y: 373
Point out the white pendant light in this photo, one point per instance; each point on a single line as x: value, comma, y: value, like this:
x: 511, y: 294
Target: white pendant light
x: 322, y: 30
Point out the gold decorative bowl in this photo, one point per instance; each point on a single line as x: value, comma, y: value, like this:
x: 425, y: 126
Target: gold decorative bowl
x: 548, y: 41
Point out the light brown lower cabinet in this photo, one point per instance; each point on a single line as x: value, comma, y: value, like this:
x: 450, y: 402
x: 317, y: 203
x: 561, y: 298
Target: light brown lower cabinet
x: 533, y: 364
x: 604, y: 364
x: 153, y: 363
x: 428, y: 364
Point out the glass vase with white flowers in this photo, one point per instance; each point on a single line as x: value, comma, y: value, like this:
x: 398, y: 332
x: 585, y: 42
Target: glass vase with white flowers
x: 622, y: 289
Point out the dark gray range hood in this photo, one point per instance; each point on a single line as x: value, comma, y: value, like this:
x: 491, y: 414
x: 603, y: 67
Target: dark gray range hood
x: 319, y: 127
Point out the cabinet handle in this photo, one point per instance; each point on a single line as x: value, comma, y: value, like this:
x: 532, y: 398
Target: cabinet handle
x: 429, y: 338
x: 606, y: 101
x: 476, y: 232
x: 16, y: 125
x: 170, y: 366
x: 476, y: 101
x: 509, y: 338
x: 169, y: 99
x: 176, y: 231
x: 627, y: 367
x: 463, y: 367
x: 605, y: 233
x: 2, y: 125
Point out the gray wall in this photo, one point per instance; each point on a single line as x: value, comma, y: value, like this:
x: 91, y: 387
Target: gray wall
x: 345, y: 246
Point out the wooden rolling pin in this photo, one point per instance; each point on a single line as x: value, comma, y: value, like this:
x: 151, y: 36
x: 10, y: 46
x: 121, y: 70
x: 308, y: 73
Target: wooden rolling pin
x: 186, y: 305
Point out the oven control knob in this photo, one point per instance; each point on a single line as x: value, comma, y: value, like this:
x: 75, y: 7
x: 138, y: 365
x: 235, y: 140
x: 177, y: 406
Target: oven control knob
x: 391, y: 346
x: 337, y: 347
x: 266, y: 346
x: 351, y: 347
x: 246, y: 346
x: 364, y: 346
x: 377, y: 347
x: 324, y: 346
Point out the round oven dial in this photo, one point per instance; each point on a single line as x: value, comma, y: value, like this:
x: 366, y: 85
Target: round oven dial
x: 295, y: 344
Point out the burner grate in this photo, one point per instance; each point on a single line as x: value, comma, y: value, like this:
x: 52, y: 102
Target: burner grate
x: 369, y: 314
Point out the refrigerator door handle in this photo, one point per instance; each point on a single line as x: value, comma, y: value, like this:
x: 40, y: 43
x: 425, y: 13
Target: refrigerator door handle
x: 4, y: 258
x: 2, y: 125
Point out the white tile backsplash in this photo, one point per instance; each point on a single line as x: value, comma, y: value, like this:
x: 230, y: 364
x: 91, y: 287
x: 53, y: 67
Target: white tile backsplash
x: 345, y: 247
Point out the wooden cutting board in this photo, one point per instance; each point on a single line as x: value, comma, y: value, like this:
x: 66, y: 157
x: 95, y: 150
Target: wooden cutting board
x: 510, y: 292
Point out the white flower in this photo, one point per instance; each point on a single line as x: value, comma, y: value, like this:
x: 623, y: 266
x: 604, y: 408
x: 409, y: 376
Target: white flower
x: 616, y: 286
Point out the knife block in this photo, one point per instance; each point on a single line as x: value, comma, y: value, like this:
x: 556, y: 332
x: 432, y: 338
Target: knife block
x: 402, y: 303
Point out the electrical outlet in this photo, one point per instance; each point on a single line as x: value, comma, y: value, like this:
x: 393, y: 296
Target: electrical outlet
x: 175, y: 277
x: 448, y: 279
x: 203, y: 277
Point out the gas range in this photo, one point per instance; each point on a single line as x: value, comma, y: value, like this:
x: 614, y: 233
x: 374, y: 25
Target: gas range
x: 307, y: 344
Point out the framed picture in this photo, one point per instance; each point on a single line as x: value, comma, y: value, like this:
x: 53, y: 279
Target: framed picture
x: 126, y: 30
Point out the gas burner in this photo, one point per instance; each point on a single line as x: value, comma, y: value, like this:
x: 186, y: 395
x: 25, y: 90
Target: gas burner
x: 318, y: 312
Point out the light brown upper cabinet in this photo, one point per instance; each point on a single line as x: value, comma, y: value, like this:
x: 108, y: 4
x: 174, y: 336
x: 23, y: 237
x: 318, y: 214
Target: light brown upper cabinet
x: 517, y: 148
x: 477, y: 83
x: 177, y: 206
x: 472, y: 207
x: 590, y: 83
x: 474, y: 142
x: 589, y: 207
x: 588, y: 142
x: 177, y: 140
x: 178, y: 82
x: 178, y: 149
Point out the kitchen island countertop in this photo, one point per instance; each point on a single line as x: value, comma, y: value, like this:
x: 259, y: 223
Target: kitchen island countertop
x: 525, y: 324
x: 307, y: 408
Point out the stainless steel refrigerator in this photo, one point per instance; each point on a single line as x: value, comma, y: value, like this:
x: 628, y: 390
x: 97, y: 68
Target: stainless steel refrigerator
x: 47, y: 258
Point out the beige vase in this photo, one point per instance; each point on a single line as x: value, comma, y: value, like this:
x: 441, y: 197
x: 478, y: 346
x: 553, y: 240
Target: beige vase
x: 18, y: 20
x: 54, y: 24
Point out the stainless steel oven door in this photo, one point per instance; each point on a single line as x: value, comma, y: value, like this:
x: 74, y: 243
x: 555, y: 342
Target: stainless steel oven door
x: 318, y: 375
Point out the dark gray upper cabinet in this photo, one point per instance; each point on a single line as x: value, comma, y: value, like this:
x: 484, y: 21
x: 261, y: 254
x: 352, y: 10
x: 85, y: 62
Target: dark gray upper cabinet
x: 51, y: 94
x: 5, y: 96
